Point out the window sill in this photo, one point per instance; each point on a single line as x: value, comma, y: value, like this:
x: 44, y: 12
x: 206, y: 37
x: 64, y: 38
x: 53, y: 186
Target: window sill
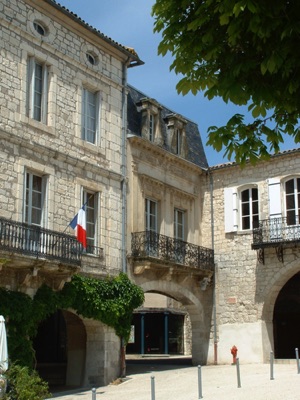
x: 37, y: 125
x: 92, y: 148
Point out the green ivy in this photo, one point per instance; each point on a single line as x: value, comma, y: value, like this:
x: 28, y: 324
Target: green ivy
x: 110, y: 301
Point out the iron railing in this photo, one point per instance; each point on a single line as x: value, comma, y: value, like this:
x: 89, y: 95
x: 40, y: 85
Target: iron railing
x: 39, y: 242
x: 274, y: 231
x: 152, y: 244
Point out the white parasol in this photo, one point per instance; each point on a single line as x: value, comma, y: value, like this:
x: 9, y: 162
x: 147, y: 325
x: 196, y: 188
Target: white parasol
x: 3, y: 356
x: 3, y: 346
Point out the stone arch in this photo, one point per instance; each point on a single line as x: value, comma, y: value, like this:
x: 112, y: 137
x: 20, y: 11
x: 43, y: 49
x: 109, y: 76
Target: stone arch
x: 60, y: 347
x: 272, y: 290
x: 199, y: 318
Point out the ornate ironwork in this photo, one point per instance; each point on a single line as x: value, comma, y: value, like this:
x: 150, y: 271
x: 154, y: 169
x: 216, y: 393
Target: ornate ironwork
x: 165, y: 248
x: 274, y: 231
x: 39, y: 242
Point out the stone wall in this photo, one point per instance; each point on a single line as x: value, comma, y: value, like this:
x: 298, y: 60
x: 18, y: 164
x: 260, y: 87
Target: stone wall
x: 246, y: 289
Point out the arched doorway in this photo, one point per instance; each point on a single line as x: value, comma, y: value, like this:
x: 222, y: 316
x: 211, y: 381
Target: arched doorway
x: 160, y: 327
x: 60, y: 350
x: 286, y: 319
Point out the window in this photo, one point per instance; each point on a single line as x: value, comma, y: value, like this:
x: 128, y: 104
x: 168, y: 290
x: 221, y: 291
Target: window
x: 249, y: 208
x: 39, y: 28
x: 90, y: 116
x: 292, y: 201
x: 151, y: 215
x: 151, y: 127
x: 90, y: 201
x: 241, y: 209
x: 178, y: 141
x: 179, y: 224
x: 35, y: 188
x: 37, y: 101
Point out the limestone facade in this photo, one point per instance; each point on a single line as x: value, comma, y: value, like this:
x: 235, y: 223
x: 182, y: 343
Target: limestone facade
x: 248, y: 281
x: 62, y: 98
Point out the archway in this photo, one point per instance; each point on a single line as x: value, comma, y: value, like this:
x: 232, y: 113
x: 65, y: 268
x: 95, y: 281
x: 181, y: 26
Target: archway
x: 161, y: 326
x: 197, y: 307
x: 286, y: 319
x: 60, y: 350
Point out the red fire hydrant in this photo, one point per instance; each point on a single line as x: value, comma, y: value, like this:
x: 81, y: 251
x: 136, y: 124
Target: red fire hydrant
x: 234, y: 351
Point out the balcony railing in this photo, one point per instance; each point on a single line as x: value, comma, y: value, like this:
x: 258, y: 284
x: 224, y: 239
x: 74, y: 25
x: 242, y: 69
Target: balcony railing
x: 164, y: 248
x: 39, y: 242
x: 275, y: 231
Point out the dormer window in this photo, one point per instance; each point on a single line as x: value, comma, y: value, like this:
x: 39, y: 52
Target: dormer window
x: 150, y: 128
x: 176, y: 134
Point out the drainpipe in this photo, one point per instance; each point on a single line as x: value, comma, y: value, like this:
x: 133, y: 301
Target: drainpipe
x: 211, y: 182
x: 123, y: 166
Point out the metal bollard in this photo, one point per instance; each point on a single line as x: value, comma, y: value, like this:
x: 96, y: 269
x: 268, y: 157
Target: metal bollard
x: 152, y: 388
x: 199, y: 383
x: 93, y: 394
x: 238, y: 372
x: 271, y: 366
x: 297, y: 358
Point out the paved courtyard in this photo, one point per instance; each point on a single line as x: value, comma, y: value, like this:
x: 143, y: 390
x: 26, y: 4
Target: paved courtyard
x: 180, y: 382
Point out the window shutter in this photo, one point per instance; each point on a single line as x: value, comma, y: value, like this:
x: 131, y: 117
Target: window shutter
x: 30, y: 87
x: 44, y: 95
x: 230, y: 209
x: 83, y: 114
x: 97, y: 133
x: 274, y: 198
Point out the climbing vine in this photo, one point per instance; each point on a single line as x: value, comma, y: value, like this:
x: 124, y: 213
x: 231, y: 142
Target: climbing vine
x: 110, y: 301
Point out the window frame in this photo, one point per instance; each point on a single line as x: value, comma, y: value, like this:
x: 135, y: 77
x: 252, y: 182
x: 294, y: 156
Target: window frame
x: 89, y: 197
x: 296, y: 200
x: 178, y: 141
x: 85, y: 129
x: 33, y: 104
x: 28, y: 198
x: 149, y: 214
x: 177, y: 224
x: 251, y: 204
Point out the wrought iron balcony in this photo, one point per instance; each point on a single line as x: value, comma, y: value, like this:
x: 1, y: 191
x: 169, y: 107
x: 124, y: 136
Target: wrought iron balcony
x: 153, y: 245
x: 39, y: 242
x: 276, y: 231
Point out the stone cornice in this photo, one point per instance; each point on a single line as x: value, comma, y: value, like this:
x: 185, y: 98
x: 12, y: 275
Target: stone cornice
x: 165, y: 156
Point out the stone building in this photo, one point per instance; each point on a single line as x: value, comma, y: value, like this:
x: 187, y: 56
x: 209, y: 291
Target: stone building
x: 256, y: 245
x: 62, y: 100
x: 167, y: 251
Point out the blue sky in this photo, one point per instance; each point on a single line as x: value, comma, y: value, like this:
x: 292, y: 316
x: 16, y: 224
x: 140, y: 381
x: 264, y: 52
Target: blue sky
x: 129, y: 22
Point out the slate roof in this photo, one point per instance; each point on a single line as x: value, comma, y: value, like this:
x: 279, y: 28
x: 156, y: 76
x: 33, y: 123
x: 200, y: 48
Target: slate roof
x: 124, y: 49
x: 196, y: 154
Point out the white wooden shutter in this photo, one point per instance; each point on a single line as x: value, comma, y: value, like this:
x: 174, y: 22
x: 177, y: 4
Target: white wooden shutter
x: 230, y: 209
x: 274, y: 198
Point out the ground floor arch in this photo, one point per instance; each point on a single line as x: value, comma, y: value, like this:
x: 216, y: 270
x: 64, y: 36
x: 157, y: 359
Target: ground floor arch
x: 286, y: 319
x: 169, y: 329
x: 60, y: 349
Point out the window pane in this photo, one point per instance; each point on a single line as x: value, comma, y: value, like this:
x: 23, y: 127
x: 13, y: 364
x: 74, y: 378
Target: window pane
x: 246, y: 222
x: 290, y: 217
x: 289, y: 186
x: 245, y: 195
x: 254, y: 194
x: 245, y: 209
x: 290, y: 202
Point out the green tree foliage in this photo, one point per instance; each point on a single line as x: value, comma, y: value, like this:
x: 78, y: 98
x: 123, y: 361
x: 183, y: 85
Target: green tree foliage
x: 244, y: 51
x: 110, y: 301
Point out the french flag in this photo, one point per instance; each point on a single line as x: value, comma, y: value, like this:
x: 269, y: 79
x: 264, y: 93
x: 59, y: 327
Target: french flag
x: 79, y: 223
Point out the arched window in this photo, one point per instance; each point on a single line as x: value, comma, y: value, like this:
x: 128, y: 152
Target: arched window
x: 292, y: 201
